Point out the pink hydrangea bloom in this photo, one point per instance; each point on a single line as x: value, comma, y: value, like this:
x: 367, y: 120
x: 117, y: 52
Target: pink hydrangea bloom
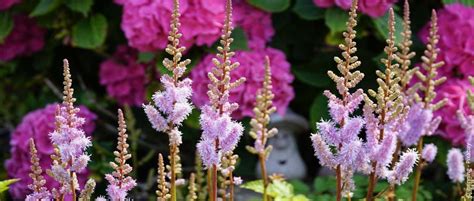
x: 37, y: 125
x: 146, y: 22
x: 373, y: 8
x: 456, y: 42
x: 6, y: 4
x: 252, y: 68
x: 124, y: 77
x: 25, y: 38
x: 454, y: 90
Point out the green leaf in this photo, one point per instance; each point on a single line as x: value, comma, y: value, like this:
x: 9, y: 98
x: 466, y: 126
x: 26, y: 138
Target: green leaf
x: 318, y: 110
x: 336, y: 20
x: 45, y: 7
x: 465, y: 2
x: 280, y: 189
x: 299, y: 198
x: 306, y: 9
x: 90, y: 33
x: 83, y: 6
x: 256, y: 186
x: 5, y: 184
x: 300, y: 187
x: 314, y: 73
x: 240, y: 40
x: 6, y: 25
x: 381, y: 25
x: 272, y: 6
x: 145, y: 57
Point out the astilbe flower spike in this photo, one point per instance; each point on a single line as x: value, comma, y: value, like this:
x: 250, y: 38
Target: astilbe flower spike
x: 88, y: 190
x: 259, y: 131
x: 403, y: 167
x: 162, y: 192
x: 428, y: 82
x: 405, y: 54
x: 342, y: 131
x: 220, y: 133
x: 119, y: 182
x: 467, y: 123
x: 455, y: 163
x: 70, y: 142
x: 172, y: 104
x: 40, y: 192
x: 429, y: 152
x: 385, y: 116
x: 192, y: 195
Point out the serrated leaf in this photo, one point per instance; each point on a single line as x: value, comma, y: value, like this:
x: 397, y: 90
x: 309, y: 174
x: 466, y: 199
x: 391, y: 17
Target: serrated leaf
x: 272, y: 6
x: 256, y: 186
x: 82, y: 6
x: 318, y: 110
x: 336, y: 19
x: 44, y: 7
x: 5, y: 184
x: 306, y: 9
x: 381, y: 25
x: 280, y: 189
x: 6, y: 25
x: 90, y: 33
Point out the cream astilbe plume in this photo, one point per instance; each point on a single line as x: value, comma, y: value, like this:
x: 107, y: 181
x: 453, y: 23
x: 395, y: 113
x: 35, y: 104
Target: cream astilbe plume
x: 162, y: 192
x: 88, y: 190
x: 39, y: 191
x: 119, y: 181
x: 192, y: 194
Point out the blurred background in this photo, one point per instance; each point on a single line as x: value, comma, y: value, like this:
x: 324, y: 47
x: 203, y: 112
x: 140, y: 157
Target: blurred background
x: 115, y: 49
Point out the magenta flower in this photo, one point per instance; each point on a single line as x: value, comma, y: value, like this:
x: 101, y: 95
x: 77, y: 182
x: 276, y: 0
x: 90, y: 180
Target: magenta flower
x: 454, y: 90
x: 257, y: 24
x: 373, y: 8
x: 6, y: 4
x: 456, y: 41
x: 455, y: 163
x: 25, y: 38
x: 253, y: 69
x: 124, y: 77
x: 429, y: 152
x: 37, y: 125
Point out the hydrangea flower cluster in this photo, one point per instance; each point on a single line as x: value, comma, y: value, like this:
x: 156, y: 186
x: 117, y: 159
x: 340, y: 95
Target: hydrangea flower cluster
x: 37, y: 125
x: 124, y: 77
x: 454, y: 24
x: 253, y: 69
x: 119, y: 182
x: 70, y: 142
x: 6, y: 4
x: 145, y: 23
x: 25, y: 38
x: 342, y: 131
x: 373, y: 8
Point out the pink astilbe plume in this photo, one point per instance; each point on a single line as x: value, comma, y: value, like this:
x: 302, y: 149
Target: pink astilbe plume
x: 119, y: 182
x: 40, y: 192
x: 418, y: 122
x: 342, y: 131
x: 403, y: 168
x: 455, y: 163
x: 429, y: 152
x: 467, y: 123
x: 70, y: 141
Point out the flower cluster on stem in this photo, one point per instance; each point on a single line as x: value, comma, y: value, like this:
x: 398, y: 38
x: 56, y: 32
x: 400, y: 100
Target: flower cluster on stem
x: 220, y: 133
x: 119, y: 181
x: 70, y: 142
x: 259, y: 123
x: 342, y: 131
x: 428, y: 81
x: 172, y: 105
x: 40, y: 192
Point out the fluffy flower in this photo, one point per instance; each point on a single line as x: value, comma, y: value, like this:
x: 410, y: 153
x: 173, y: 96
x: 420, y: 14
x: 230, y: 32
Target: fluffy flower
x: 429, y: 152
x: 373, y: 8
x: 454, y: 90
x: 124, y: 77
x: 25, y: 38
x: 322, y: 151
x: 37, y: 125
x: 455, y: 163
x: 456, y: 42
x: 208, y: 153
x: 6, y: 4
x: 146, y: 23
x: 252, y: 68
x: 403, y: 168
x: 417, y: 123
